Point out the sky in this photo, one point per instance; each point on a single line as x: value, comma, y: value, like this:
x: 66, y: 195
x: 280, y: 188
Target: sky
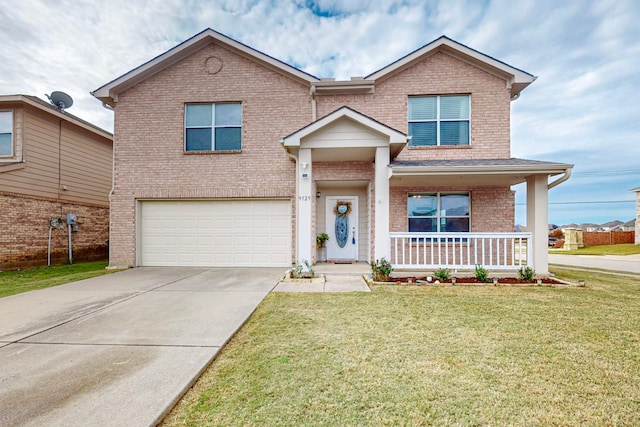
x: 582, y: 109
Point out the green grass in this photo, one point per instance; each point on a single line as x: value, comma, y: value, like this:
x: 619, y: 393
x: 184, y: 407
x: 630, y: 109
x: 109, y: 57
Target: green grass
x: 623, y: 249
x: 442, y: 356
x: 15, y: 282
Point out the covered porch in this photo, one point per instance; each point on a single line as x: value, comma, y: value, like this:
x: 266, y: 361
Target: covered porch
x: 347, y: 160
x: 506, y: 250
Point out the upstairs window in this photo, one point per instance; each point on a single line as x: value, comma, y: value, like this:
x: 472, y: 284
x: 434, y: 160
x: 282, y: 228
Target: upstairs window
x: 438, y: 212
x: 213, y: 127
x: 6, y: 133
x: 439, y: 120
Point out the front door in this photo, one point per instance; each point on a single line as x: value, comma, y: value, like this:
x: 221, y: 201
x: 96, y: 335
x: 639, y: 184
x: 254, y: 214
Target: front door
x: 342, y: 228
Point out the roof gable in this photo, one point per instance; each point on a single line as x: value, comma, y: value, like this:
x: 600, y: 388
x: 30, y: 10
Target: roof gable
x: 108, y: 93
x: 516, y: 79
x: 394, y: 136
x: 46, y: 107
x: 345, y: 115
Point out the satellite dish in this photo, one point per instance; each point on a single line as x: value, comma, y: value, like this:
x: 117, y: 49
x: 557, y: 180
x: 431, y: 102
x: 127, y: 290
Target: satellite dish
x: 60, y: 99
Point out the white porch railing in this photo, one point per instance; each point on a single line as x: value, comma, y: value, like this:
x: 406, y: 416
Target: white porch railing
x: 463, y: 251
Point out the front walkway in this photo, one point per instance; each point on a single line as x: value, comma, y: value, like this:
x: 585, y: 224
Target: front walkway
x: 338, y: 278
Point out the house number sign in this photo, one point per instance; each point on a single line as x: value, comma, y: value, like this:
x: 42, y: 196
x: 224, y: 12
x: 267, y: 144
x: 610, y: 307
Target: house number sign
x: 304, y: 198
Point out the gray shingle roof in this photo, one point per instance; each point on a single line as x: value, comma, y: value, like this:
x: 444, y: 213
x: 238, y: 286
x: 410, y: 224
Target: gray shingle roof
x: 475, y: 163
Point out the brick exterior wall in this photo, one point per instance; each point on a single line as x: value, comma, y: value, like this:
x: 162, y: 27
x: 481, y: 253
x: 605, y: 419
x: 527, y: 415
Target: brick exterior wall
x: 24, y: 230
x: 149, y: 124
x: 492, y: 208
x: 439, y: 74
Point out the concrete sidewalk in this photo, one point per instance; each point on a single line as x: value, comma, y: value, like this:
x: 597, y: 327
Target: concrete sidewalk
x: 625, y: 263
x: 118, y: 349
x: 338, y: 278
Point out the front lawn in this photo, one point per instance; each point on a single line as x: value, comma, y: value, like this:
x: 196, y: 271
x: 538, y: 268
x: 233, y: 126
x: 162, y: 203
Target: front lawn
x: 623, y: 249
x: 15, y: 282
x: 408, y: 355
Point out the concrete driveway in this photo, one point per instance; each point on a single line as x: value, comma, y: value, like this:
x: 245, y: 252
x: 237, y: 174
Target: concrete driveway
x: 628, y: 263
x: 118, y: 349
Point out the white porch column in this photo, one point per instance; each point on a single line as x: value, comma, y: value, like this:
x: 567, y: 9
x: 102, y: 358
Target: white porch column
x: 305, y: 185
x: 538, y: 221
x: 381, y: 203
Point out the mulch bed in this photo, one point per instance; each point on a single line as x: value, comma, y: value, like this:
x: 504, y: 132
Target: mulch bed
x: 472, y: 280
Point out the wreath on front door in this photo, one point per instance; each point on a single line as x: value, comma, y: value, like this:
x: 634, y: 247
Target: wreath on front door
x: 342, y: 209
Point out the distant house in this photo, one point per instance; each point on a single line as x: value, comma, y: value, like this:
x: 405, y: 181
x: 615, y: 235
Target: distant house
x: 629, y: 225
x: 227, y: 156
x: 637, y: 191
x: 51, y: 164
x: 611, y: 225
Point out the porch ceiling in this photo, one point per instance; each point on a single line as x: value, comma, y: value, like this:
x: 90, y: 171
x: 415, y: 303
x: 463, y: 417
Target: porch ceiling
x: 472, y: 172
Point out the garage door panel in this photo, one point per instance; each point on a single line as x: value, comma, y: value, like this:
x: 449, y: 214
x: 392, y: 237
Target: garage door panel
x: 215, y: 233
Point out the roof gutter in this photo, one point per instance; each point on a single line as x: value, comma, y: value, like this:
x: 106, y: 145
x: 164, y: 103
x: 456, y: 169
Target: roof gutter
x: 475, y: 170
x: 563, y: 178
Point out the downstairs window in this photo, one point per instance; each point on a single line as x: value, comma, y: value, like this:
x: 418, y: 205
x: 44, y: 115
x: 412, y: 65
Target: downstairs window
x: 438, y: 212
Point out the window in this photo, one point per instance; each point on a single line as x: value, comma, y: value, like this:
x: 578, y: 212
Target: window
x: 213, y: 127
x: 438, y: 212
x: 439, y: 120
x: 6, y: 133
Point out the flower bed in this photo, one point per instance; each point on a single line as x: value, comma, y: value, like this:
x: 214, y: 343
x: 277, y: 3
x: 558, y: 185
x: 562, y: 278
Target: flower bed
x: 430, y: 280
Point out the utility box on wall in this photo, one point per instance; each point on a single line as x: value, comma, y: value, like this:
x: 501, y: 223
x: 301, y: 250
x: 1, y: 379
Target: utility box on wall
x: 72, y: 221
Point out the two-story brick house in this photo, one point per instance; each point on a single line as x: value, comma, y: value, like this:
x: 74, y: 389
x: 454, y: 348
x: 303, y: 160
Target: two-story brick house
x: 225, y: 156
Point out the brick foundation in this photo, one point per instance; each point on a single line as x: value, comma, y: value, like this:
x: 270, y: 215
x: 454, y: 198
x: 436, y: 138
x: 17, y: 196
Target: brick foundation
x: 24, y: 231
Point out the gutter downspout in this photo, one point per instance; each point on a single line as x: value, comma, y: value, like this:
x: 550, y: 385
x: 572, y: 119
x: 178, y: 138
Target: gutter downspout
x: 295, y: 159
x: 113, y: 180
x: 563, y: 178
x: 314, y: 109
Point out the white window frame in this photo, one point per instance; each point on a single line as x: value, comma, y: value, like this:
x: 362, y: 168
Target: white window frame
x: 438, y: 120
x: 438, y: 216
x: 213, y: 126
x: 12, y: 133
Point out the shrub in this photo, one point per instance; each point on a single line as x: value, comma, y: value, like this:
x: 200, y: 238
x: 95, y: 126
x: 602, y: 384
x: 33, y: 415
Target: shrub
x: 310, y: 268
x: 322, y: 238
x: 381, y: 270
x: 482, y: 274
x: 526, y: 273
x: 296, y: 270
x: 442, y: 274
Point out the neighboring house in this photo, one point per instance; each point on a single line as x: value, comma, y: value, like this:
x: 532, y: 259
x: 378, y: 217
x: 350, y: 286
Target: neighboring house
x: 627, y: 226
x: 225, y: 156
x: 637, y: 191
x: 611, y: 225
x: 51, y: 163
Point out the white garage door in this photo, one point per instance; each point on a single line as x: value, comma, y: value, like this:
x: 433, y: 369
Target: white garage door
x: 238, y: 233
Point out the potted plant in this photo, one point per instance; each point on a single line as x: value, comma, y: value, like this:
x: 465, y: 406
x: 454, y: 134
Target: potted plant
x: 321, y: 239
